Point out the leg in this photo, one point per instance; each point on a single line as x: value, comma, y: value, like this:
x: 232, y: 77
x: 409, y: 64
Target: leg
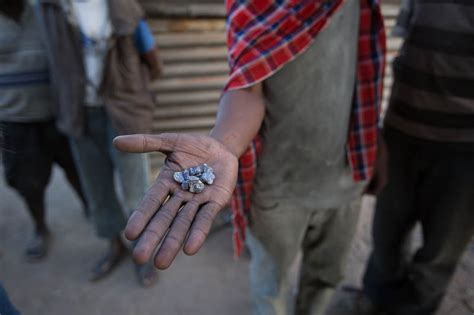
x: 58, y: 144
x: 395, y: 216
x: 133, y: 171
x: 96, y: 172
x: 27, y: 169
x: 447, y: 202
x: 325, y: 247
x: 275, y: 239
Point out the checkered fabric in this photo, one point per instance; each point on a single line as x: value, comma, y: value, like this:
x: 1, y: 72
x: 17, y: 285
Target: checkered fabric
x: 264, y: 35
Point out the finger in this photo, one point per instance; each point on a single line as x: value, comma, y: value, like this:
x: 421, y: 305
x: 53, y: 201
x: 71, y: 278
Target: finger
x: 176, y: 235
x: 141, y: 143
x: 201, y: 227
x: 150, y: 203
x: 156, y: 229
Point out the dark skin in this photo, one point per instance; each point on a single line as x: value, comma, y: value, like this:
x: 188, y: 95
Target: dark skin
x: 177, y: 219
x: 12, y: 8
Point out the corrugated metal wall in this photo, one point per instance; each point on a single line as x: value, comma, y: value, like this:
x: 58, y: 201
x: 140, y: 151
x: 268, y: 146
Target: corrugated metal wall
x: 195, y: 69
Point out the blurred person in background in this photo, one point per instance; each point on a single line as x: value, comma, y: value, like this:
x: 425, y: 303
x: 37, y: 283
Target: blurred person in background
x: 429, y: 135
x: 31, y: 141
x: 400, y: 29
x: 102, y: 54
x: 6, y: 306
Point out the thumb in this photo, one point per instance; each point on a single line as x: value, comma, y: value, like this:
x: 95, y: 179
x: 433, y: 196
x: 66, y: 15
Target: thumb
x: 142, y: 143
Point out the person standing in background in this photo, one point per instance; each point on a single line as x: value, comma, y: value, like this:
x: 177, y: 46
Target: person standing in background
x: 31, y: 141
x: 400, y: 29
x: 102, y: 55
x: 6, y: 306
x: 429, y: 132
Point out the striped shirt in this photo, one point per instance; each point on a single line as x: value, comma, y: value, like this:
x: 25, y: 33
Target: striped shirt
x: 24, y: 77
x: 433, y: 93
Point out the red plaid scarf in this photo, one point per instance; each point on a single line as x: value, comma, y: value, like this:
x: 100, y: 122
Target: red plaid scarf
x: 262, y: 36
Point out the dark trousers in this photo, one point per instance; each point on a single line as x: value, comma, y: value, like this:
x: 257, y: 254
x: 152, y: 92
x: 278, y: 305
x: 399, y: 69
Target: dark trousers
x: 29, y: 152
x: 431, y: 185
x: 6, y: 306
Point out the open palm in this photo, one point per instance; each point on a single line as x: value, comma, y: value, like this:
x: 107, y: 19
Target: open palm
x: 169, y: 215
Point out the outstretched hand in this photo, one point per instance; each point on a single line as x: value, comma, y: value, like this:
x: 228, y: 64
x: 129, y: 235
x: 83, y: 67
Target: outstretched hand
x: 169, y: 215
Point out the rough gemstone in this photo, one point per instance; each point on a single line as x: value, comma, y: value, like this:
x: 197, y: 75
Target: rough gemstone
x: 178, y: 176
x: 208, y: 177
x: 194, y: 178
x: 185, y: 185
x: 206, y: 168
x: 186, y: 174
x: 195, y: 171
x: 196, y: 186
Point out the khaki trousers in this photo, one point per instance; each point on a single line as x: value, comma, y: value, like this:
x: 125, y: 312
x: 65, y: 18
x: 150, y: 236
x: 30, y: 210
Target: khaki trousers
x: 275, y: 239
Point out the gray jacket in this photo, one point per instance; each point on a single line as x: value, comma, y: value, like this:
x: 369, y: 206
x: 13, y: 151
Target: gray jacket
x: 125, y: 85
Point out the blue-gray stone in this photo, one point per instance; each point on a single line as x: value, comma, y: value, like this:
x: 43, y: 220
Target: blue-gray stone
x: 196, y: 186
x: 178, y: 177
x: 206, y: 168
x: 208, y: 177
x: 185, y: 185
x: 186, y: 174
x: 193, y: 178
x: 195, y: 171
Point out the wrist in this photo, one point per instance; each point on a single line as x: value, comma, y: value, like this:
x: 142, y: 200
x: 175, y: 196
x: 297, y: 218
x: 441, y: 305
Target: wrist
x: 225, y: 142
x: 239, y: 118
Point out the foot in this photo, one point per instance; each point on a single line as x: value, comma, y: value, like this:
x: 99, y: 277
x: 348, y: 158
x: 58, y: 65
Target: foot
x: 109, y: 261
x: 38, y: 246
x: 147, y: 274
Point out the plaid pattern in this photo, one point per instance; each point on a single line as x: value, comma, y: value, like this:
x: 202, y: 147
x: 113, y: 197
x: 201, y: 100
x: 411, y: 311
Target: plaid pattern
x: 262, y: 36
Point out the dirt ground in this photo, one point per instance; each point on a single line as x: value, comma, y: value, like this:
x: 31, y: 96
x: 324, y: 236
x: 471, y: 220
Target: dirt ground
x: 212, y: 282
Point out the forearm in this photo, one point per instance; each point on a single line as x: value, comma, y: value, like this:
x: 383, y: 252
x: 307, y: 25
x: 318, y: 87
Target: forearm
x: 239, y: 118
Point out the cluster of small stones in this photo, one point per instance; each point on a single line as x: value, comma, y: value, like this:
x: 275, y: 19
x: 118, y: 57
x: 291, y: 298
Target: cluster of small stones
x: 193, y: 179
